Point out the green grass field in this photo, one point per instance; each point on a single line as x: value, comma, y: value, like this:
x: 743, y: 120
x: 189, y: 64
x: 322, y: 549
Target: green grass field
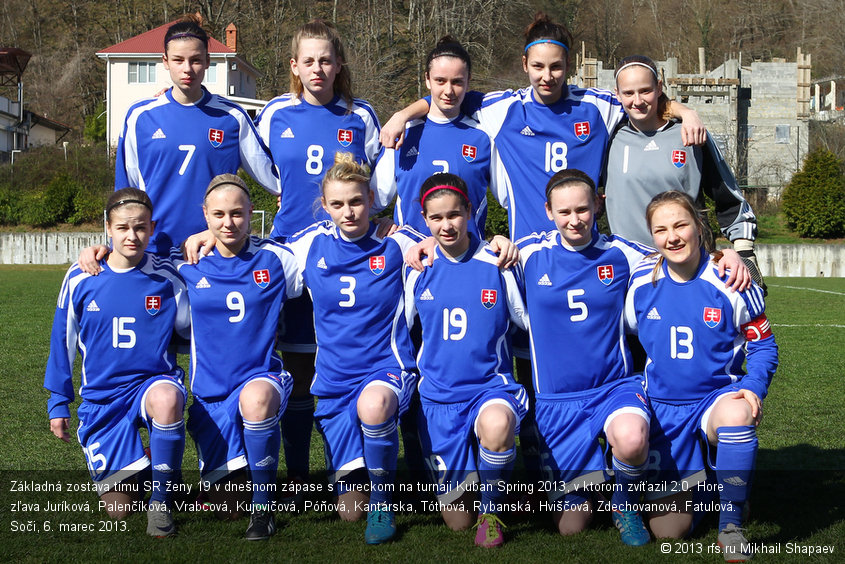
x: 798, y: 497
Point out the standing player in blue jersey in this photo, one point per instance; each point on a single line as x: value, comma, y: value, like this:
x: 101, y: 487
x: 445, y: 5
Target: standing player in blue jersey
x: 575, y: 284
x: 471, y: 405
x: 444, y: 141
x: 174, y: 144
x: 122, y: 322
x: 304, y: 129
x: 236, y: 293
x: 363, y: 382
x: 697, y: 335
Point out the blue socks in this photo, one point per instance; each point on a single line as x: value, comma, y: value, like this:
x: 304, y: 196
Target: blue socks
x: 167, y: 445
x: 261, y: 442
x: 625, y: 476
x: 494, y: 468
x: 735, y: 459
x: 381, y: 449
x: 297, y: 422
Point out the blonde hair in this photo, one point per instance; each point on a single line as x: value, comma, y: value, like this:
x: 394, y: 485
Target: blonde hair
x: 346, y: 169
x: 226, y: 179
x: 319, y: 29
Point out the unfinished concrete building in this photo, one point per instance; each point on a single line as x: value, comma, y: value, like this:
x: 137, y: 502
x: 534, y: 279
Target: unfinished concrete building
x: 758, y: 112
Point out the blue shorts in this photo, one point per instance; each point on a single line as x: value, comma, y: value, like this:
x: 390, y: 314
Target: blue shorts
x: 678, y: 445
x: 296, y: 326
x: 108, y: 432
x: 570, y: 426
x: 449, y: 439
x: 337, y: 421
x: 217, y: 428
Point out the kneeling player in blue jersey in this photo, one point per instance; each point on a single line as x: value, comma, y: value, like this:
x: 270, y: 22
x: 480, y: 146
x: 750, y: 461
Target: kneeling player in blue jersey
x: 237, y: 379
x: 363, y: 381
x: 697, y: 335
x: 575, y: 284
x: 471, y: 405
x: 122, y: 322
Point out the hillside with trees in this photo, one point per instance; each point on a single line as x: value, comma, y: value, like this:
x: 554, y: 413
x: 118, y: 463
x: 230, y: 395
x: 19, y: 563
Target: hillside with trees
x: 387, y: 39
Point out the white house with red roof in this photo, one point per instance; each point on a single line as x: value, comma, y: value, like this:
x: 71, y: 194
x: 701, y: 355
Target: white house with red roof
x: 134, y: 70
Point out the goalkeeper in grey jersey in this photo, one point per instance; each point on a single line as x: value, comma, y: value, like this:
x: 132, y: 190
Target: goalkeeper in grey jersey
x: 647, y: 157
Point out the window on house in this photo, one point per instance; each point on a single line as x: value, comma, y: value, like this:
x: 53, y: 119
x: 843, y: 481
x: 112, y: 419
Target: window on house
x: 211, y: 73
x: 781, y: 134
x: 142, y: 73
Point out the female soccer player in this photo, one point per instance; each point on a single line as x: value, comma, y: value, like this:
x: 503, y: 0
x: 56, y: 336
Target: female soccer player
x: 647, y: 156
x: 304, y: 129
x: 445, y: 141
x: 575, y: 284
x: 236, y: 293
x: 697, y: 335
x: 174, y: 144
x: 470, y: 401
x: 122, y: 322
x: 363, y: 382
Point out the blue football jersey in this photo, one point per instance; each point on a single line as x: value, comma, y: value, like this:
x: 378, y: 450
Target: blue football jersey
x: 172, y: 152
x: 122, y: 323
x: 303, y: 140
x: 235, y: 305
x: 534, y: 141
x: 465, y: 309
x: 457, y: 146
x: 575, y: 300
x: 696, y: 333
x: 359, y: 317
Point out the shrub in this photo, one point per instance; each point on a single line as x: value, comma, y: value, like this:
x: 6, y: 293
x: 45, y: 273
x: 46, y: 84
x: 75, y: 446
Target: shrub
x: 814, y: 201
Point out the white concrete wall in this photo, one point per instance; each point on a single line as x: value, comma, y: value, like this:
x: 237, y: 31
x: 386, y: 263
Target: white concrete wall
x: 802, y: 260
x: 45, y: 248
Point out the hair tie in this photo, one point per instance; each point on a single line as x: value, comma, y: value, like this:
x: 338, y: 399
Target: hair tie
x: 636, y: 64
x: 128, y: 201
x: 566, y: 179
x: 184, y: 35
x: 444, y: 187
x: 217, y: 185
x: 552, y: 41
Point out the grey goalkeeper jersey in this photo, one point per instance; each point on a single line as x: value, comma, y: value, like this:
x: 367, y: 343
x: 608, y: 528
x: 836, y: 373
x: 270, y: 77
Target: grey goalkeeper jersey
x: 641, y: 165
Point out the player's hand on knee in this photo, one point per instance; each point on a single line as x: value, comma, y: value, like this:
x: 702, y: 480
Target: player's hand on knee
x: 59, y: 426
x: 90, y: 257
x: 754, y: 401
x: 508, y: 252
x: 198, y: 245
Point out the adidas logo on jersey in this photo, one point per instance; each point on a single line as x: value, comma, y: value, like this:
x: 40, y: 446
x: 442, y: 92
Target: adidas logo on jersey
x: 322, y: 263
x: 287, y: 134
x: 412, y: 152
x: 203, y: 283
x: 266, y: 461
x: 652, y: 146
x: 159, y: 134
x: 527, y: 131
x: 735, y: 481
x: 427, y: 295
x: 653, y: 314
x: 92, y: 306
x: 544, y: 281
